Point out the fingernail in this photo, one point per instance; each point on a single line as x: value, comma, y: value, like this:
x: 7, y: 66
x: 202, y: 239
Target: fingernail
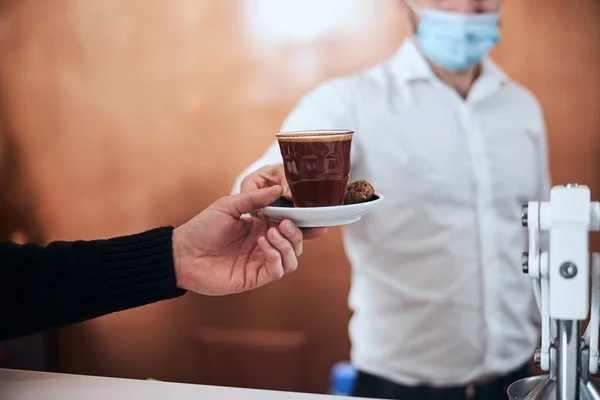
x: 290, y: 228
x: 276, y: 236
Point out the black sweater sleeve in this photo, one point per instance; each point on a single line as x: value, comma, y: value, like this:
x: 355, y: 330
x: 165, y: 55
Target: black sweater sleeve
x: 63, y: 283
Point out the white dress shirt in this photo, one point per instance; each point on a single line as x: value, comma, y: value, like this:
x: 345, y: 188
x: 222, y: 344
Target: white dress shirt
x: 438, y: 294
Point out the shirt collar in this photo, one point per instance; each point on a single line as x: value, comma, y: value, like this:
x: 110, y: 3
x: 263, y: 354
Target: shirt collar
x: 409, y: 65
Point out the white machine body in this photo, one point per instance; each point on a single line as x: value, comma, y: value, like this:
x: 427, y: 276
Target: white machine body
x: 561, y: 282
x: 569, y: 225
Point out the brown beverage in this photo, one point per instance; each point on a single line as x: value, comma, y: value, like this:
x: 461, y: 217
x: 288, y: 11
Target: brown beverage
x: 317, y: 166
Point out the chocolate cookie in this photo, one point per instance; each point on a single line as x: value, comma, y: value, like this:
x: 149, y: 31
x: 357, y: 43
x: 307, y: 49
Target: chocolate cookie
x: 359, y: 192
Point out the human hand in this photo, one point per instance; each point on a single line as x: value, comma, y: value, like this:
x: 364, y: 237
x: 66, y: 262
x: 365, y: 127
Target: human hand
x: 271, y: 175
x: 265, y: 177
x: 219, y: 252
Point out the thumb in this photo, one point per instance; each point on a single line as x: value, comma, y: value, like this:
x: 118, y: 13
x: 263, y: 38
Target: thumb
x: 252, y: 200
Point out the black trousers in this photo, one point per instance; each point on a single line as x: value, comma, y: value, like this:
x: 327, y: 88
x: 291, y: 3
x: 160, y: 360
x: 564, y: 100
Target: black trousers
x: 371, y: 386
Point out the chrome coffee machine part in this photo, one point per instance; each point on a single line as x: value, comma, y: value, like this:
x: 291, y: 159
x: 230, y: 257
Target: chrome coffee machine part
x: 560, y: 279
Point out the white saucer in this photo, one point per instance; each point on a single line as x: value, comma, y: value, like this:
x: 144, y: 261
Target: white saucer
x: 315, y: 217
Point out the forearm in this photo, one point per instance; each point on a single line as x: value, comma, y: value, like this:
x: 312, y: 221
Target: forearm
x: 68, y: 282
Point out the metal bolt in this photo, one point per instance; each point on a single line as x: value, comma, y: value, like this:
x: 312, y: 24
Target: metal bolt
x: 568, y: 270
x: 571, y: 185
x: 537, y: 358
x: 524, y: 218
x: 525, y: 262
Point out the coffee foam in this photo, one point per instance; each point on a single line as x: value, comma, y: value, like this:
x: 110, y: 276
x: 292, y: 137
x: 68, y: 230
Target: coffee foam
x: 315, y: 136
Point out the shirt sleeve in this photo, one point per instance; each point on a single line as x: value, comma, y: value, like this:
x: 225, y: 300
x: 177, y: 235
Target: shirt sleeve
x: 327, y: 107
x: 544, y: 175
x: 545, y: 182
x: 543, y: 188
x: 43, y: 288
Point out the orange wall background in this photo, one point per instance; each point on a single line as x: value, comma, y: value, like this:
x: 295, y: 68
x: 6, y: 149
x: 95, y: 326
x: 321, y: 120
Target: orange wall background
x: 118, y: 116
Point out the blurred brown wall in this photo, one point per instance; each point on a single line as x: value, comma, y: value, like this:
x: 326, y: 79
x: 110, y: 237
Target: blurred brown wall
x: 131, y: 114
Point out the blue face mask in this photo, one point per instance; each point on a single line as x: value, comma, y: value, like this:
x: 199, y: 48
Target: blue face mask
x: 457, y: 41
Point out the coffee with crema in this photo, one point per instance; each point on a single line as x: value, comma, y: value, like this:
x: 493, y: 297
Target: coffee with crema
x: 317, y: 166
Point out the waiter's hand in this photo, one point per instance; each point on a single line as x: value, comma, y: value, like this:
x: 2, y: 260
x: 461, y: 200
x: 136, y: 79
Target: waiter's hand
x: 265, y: 177
x: 220, y: 252
x: 271, y: 175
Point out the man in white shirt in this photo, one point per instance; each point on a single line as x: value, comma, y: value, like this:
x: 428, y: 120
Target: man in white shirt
x: 441, y: 307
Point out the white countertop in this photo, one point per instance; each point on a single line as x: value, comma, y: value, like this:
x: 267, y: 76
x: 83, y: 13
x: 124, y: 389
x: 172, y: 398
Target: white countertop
x: 29, y: 385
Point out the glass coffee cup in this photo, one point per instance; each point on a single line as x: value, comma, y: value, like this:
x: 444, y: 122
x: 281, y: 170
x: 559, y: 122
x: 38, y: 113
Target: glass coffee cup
x: 316, y: 165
